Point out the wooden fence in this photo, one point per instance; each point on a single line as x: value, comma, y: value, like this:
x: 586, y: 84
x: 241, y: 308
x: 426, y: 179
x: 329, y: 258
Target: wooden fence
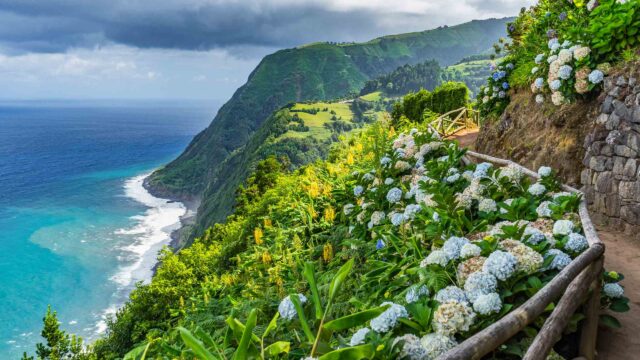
x: 454, y: 121
x: 571, y: 286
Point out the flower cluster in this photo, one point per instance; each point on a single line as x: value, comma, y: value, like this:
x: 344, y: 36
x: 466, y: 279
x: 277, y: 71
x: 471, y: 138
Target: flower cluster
x: 389, y: 318
x: 286, y: 308
x: 495, y: 93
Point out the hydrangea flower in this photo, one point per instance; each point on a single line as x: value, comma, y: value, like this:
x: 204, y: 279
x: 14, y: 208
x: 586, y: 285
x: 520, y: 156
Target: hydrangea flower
x: 348, y: 209
x: 544, y: 171
x: 479, y: 283
x: 453, y: 317
x: 552, y: 43
x: 596, y: 77
x: 592, y: 4
x: 451, y: 293
x: 562, y: 16
x: 576, y: 243
x: 389, y: 318
x: 452, y: 178
x: 539, y: 83
x: 487, y: 205
x: 358, y: 190
x: 385, y: 160
x: 565, y: 56
x: 512, y: 172
x: 581, y: 52
x: 380, y: 244
x: 529, y: 260
x: 437, y: 344
x: 543, y: 209
x: 555, y: 85
x: 487, y: 304
x: 482, y: 169
x: 412, y: 348
x: 505, y: 85
x: 613, y: 290
x: 286, y: 308
x: 539, y: 99
x: 358, y: 337
x: 437, y: 257
x: 533, y: 236
x: 500, y: 264
x: 560, y: 259
x: 470, y: 250
x: 394, y: 195
x: 388, y: 181
x: 534, y: 70
x: 539, y: 58
x: 502, y: 94
x: 368, y: 177
x: 453, y: 245
x: 557, y: 98
x: 562, y: 227
x: 376, y: 218
x: 415, y: 293
x: 537, y: 189
x: 411, y: 210
x: 565, y: 72
x: 396, y: 218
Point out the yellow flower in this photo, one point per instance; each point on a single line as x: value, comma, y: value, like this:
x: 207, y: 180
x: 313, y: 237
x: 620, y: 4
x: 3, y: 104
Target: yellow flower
x: 297, y: 243
x: 359, y: 147
x: 327, y: 252
x: 227, y: 279
x: 257, y: 235
x: 266, y: 257
x: 313, y: 189
x: 350, y: 160
x: 267, y: 223
x: 181, y: 302
x: 392, y: 131
x: 329, y: 214
x: 311, y: 211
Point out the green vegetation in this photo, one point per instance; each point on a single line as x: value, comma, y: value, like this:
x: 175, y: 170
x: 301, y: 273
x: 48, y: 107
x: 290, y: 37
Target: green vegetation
x: 374, y: 96
x: 446, y: 97
x: 406, y: 78
x: 316, y: 71
x: 472, y: 72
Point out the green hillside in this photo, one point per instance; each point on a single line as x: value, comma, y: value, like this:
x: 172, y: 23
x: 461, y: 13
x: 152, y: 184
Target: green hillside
x: 317, y: 71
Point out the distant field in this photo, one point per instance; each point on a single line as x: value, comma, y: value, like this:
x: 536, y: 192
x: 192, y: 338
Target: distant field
x: 374, y: 96
x: 316, y: 122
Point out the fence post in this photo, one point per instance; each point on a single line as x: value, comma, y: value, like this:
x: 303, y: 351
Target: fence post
x: 589, y: 335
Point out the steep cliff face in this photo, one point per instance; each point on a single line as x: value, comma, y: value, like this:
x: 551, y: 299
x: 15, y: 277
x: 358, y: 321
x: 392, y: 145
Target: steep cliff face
x: 535, y: 135
x: 315, y: 71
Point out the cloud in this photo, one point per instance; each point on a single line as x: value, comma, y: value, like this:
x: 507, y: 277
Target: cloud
x: 58, y: 25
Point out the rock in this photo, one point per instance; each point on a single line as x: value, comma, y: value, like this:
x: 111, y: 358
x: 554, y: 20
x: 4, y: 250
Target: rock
x: 598, y: 163
x: 627, y: 190
x: 604, y: 183
x: 621, y: 110
x: 613, y: 122
x: 632, y: 140
x: 585, y: 177
x: 625, y: 151
x: 629, y: 170
x: 621, y: 81
x: 618, y: 167
x: 613, y: 137
x: 612, y: 204
x: 632, y: 81
x: 615, y: 92
x: 602, y: 119
x: 630, y: 213
x: 636, y: 114
x: 607, y: 105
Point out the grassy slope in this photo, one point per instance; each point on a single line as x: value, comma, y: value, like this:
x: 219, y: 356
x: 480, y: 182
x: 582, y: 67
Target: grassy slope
x: 315, y: 71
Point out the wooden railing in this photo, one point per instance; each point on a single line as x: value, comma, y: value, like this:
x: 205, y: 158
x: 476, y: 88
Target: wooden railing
x: 571, y: 286
x: 454, y: 121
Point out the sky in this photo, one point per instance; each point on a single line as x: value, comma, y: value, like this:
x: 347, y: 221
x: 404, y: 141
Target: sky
x: 189, y: 49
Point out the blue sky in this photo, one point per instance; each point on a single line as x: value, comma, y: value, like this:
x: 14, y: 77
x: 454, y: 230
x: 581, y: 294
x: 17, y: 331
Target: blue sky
x: 188, y: 48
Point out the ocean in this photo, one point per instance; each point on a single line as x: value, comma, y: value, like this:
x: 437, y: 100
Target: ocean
x: 77, y: 229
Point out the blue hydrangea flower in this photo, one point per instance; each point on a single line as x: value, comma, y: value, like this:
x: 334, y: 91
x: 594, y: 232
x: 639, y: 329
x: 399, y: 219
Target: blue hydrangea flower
x: 576, y: 243
x: 537, y: 189
x: 412, y: 349
x: 385, y: 160
x: 389, y: 318
x: 539, y: 58
x: 553, y: 42
x: 544, y: 171
x: 358, y: 337
x: 388, y: 181
x: 368, y: 177
x: 451, y: 293
x: 380, y: 244
x: 452, y: 178
x: 560, y: 259
x: 286, y: 308
x: 394, y: 195
x: 396, y: 218
x: 358, y: 190
x: 562, y: 16
x: 500, y: 264
x: 415, y: 293
x: 453, y: 245
x: 481, y: 170
x: 435, y: 217
x: 479, y: 283
x: 487, y: 304
x: 502, y: 94
x: 555, y: 85
x: 544, y: 210
x: 565, y: 72
x: 539, y: 83
x: 509, y: 66
x: 505, y: 85
x: 411, y: 210
x: 499, y: 75
x: 613, y: 290
x: 596, y: 77
x: 533, y: 236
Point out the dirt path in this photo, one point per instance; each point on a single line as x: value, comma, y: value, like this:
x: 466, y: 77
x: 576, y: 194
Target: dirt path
x: 622, y: 255
x: 466, y: 138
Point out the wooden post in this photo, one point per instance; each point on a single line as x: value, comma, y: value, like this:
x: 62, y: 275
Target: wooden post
x: 589, y: 335
x: 573, y: 297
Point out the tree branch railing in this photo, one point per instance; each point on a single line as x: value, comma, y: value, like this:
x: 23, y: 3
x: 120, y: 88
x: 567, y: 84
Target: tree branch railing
x: 571, y: 286
x: 464, y: 118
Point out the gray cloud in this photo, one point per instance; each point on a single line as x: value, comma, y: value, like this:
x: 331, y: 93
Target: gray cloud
x: 57, y: 25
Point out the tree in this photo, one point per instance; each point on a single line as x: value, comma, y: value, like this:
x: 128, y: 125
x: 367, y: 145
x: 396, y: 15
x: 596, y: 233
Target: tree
x: 59, y: 345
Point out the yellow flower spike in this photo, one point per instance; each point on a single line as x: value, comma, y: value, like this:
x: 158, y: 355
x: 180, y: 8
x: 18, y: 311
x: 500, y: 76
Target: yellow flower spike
x: 327, y: 252
x: 266, y: 257
x: 312, y: 212
x: 313, y: 189
x: 181, y: 302
x: 359, y: 147
x: 267, y: 223
x: 329, y: 214
x: 392, y: 131
x: 297, y: 242
x: 350, y: 159
x: 257, y: 235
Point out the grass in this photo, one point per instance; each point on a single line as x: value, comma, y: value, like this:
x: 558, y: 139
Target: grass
x: 316, y: 122
x: 374, y: 96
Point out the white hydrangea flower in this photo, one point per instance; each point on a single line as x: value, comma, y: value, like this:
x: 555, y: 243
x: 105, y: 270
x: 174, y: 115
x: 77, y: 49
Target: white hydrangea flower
x: 535, y: 236
x: 358, y: 337
x: 555, y: 85
x: 592, y: 4
x: 543, y: 209
x: 402, y: 165
x: 394, y: 195
x: 557, y: 98
x: 534, y: 70
x: 348, y: 209
x: 411, y: 210
x: 358, y: 190
x: 507, y: 202
x: 539, y: 58
x: 613, y: 290
x: 581, y: 52
x: 286, y: 308
x: 437, y: 344
x: 479, y: 283
x: 412, y: 348
x: 500, y: 264
x: 565, y: 72
x: 512, y: 172
x: 562, y: 227
x: 561, y: 194
x: 544, y: 171
x: 453, y: 245
x: 559, y: 261
x: 487, y: 304
x: 451, y: 293
x: 487, y: 205
x: 437, y: 257
x: 453, y: 317
x: 389, y: 318
x: 468, y: 175
x: 539, y: 99
x: 415, y: 293
x: 470, y: 250
x: 537, y: 189
x: 376, y: 218
x: 576, y: 243
x: 452, y: 178
x: 552, y: 58
x: 565, y: 56
x: 388, y: 181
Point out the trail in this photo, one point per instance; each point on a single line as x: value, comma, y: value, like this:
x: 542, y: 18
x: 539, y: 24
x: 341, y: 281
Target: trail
x: 622, y: 254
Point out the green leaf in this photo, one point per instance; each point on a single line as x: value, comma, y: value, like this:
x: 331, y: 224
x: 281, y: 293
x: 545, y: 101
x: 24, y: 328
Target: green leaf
x: 277, y: 348
x: 350, y: 353
x: 272, y: 325
x: 309, y: 274
x: 535, y: 282
x: 620, y: 305
x: 195, y: 345
x: 610, y: 321
x: 353, y: 320
x: 136, y: 352
x: 238, y: 329
x: 245, y: 341
x: 338, y: 280
x: 303, y: 319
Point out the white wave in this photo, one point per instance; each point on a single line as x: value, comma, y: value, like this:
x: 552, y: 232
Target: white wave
x: 151, y: 231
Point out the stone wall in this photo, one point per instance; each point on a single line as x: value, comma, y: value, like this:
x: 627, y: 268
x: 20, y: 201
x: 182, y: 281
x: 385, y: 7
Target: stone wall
x: 611, y: 178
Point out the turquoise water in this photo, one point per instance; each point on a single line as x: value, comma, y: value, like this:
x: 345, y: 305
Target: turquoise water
x: 77, y: 229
